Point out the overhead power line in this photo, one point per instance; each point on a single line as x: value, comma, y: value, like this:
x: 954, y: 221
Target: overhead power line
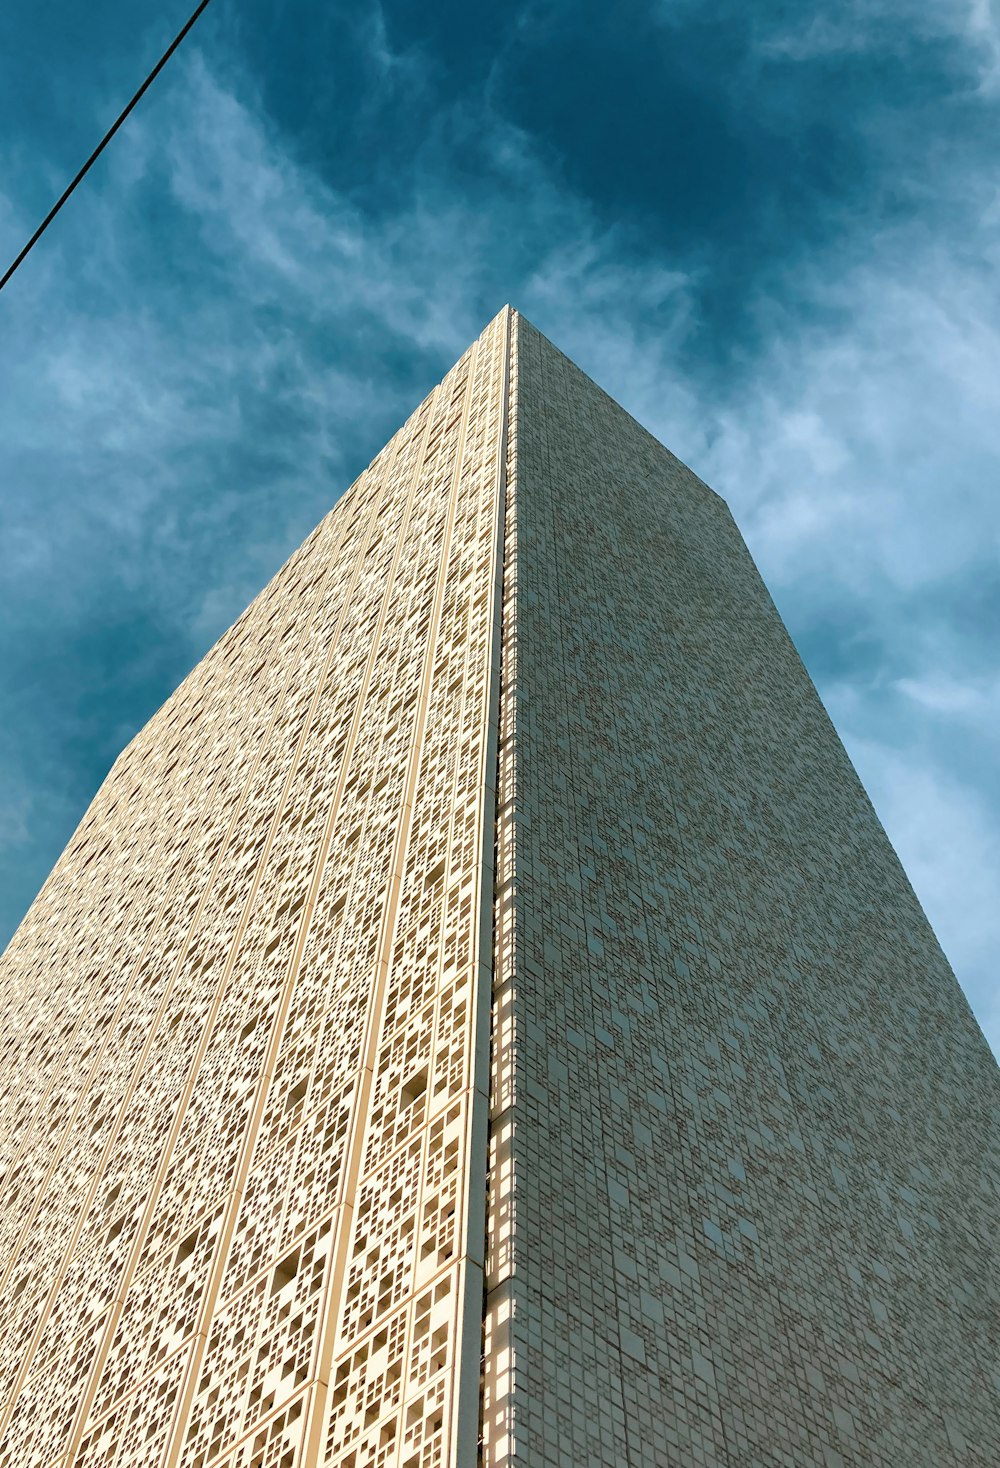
x: 104, y: 142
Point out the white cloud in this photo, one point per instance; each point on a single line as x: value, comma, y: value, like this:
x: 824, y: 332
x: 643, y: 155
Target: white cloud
x: 16, y: 817
x: 974, y: 699
x: 878, y: 431
x: 972, y: 27
x: 949, y: 846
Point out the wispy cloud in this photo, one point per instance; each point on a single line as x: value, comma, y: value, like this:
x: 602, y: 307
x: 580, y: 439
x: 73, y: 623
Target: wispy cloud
x: 941, y: 693
x: 950, y: 848
x: 970, y: 28
x: 888, y: 26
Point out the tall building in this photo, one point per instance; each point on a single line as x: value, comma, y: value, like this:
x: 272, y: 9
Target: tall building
x: 480, y: 1018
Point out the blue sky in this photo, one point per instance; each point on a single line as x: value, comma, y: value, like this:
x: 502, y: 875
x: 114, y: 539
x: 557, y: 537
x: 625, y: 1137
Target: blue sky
x: 771, y: 231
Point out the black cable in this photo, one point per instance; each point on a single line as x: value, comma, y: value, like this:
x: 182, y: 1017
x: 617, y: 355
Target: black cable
x: 104, y: 142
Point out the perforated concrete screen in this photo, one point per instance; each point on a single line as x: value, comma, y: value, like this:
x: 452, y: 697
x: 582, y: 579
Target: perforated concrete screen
x: 518, y: 728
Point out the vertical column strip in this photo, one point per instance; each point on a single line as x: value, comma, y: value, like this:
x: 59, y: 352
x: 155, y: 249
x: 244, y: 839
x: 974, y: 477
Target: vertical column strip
x: 315, y: 1426
x: 193, y: 1372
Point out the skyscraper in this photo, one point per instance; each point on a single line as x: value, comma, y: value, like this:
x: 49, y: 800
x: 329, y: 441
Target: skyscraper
x: 481, y: 1017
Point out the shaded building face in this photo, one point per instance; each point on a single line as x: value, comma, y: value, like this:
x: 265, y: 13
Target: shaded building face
x: 480, y: 1017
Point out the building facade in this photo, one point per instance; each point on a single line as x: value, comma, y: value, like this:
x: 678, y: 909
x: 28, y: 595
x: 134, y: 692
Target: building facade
x: 480, y: 1017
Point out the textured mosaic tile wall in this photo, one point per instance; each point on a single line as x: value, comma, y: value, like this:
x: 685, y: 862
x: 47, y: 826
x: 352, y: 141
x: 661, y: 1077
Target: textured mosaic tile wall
x: 242, y: 1201
x: 744, y: 1182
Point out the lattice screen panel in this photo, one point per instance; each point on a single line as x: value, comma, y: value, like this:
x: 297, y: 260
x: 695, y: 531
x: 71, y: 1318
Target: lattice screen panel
x: 243, y: 1165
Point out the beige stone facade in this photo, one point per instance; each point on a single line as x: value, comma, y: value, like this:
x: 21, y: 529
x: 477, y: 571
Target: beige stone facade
x: 719, y: 1184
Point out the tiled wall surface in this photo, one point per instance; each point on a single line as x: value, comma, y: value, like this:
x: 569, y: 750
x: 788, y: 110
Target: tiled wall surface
x: 744, y: 1179
x: 242, y: 1181
x: 742, y: 1168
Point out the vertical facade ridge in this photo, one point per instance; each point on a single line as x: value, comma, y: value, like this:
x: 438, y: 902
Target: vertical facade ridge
x: 497, y: 1401
x: 467, y: 1406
